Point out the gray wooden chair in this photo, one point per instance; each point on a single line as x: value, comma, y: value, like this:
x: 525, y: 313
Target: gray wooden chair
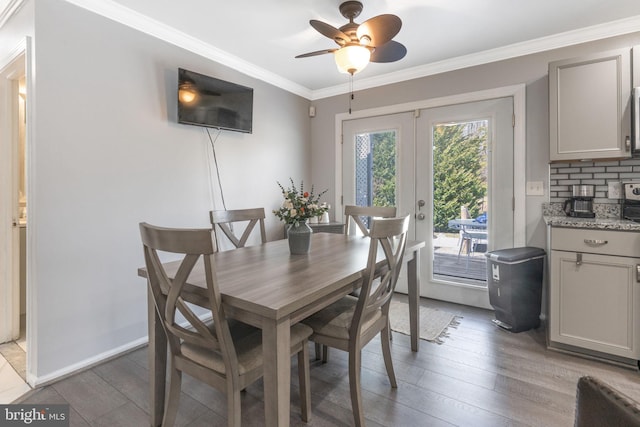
x: 355, y: 220
x: 351, y: 322
x: 225, y: 354
x: 354, y: 215
x: 223, y: 220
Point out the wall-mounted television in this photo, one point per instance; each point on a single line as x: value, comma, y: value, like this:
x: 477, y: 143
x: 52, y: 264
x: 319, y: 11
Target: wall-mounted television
x: 207, y: 101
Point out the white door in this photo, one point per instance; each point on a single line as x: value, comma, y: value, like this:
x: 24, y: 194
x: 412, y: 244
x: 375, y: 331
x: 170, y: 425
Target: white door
x: 377, y: 163
x: 486, y: 127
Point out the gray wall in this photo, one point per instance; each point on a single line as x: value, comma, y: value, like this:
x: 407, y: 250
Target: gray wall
x: 530, y: 70
x: 106, y: 153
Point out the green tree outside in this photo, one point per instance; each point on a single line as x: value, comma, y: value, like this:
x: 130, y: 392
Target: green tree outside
x: 459, y: 171
x: 384, y: 168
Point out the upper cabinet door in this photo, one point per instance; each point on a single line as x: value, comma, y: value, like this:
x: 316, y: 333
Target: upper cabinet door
x: 590, y: 108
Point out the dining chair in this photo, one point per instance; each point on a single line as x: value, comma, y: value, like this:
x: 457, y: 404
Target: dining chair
x: 356, y: 214
x: 351, y: 322
x: 225, y: 220
x: 223, y: 353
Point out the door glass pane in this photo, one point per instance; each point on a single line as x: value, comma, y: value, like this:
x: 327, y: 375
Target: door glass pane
x: 375, y: 169
x: 460, y: 208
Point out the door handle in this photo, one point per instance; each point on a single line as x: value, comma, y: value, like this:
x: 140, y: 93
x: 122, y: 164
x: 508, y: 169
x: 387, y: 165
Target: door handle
x: 421, y: 216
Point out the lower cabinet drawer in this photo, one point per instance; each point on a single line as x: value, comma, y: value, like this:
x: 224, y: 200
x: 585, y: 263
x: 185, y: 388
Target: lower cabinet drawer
x: 622, y: 243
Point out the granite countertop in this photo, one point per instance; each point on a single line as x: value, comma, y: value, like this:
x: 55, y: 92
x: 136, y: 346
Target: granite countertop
x: 607, y: 218
x: 614, y: 224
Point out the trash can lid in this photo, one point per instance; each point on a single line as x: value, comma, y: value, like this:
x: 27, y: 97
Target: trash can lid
x: 515, y: 254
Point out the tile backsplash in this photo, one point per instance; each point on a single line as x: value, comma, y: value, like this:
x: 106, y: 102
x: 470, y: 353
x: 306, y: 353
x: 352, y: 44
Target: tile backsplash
x: 563, y: 175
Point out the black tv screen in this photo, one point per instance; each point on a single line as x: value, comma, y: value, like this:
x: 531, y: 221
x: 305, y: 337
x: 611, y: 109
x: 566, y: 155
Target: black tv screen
x: 207, y: 101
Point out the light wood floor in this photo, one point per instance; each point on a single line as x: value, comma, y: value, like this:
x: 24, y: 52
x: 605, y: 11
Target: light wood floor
x: 480, y: 376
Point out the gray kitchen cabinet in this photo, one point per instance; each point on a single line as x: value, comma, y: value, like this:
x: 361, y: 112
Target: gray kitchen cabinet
x: 589, y: 107
x: 594, y: 297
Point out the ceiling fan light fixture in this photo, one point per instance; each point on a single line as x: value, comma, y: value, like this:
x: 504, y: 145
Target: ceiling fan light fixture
x: 352, y: 59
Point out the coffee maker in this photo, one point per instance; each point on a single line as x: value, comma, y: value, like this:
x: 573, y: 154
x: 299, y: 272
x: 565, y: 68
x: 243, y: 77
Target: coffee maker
x: 580, y: 205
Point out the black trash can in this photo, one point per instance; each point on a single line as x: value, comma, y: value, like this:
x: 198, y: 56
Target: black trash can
x: 514, y: 278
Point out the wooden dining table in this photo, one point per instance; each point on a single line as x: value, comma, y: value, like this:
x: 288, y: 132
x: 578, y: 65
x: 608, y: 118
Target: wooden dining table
x: 267, y: 287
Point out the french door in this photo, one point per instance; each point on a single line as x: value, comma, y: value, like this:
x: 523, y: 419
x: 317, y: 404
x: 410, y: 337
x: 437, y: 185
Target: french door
x: 464, y: 184
x: 377, y: 162
x: 412, y: 133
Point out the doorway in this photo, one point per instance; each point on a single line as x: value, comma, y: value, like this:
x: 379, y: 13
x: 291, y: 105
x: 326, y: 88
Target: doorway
x: 13, y: 223
x: 416, y: 198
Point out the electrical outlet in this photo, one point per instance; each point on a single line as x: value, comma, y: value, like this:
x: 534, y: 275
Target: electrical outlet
x: 615, y: 190
x: 535, y: 188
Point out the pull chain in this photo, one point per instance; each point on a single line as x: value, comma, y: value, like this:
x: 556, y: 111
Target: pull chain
x: 350, y: 91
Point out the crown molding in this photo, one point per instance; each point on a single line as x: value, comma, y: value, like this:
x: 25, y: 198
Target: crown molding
x: 142, y: 23
x: 569, y: 38
x: 116, y: 12
x: 10, y: 9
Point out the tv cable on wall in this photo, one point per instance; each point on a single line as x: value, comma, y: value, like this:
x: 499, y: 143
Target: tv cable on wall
x: 215, y: 161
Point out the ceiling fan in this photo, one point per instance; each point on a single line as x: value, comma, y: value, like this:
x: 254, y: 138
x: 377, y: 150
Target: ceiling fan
x: 361, y: 43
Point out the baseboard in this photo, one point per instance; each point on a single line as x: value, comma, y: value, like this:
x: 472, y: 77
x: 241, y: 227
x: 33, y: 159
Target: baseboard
x: 40, y: 381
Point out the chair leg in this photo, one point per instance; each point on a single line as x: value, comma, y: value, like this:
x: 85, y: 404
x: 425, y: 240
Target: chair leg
x: 354, y: 386
x: 304, y: 378
x: 318, y: 351
x: 386, y: 353
x: 173, y: 399
x: 234, y: 418
x: 325, y: 353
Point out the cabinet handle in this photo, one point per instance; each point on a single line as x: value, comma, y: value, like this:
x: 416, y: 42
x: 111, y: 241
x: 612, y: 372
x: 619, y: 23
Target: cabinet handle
x: 593, y: 242
x: 637, y: 272
x: 578, y: 259
x: 627, y: 143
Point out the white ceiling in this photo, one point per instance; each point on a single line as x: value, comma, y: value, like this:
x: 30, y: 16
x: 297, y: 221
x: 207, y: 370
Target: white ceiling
x: 261, y: 37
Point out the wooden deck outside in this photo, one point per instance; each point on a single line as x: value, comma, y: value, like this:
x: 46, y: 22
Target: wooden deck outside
x: 451, y: 265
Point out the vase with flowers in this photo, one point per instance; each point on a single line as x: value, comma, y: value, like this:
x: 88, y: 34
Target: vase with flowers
x: 296, y: 209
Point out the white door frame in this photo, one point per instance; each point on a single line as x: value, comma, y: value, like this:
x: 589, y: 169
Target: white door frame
x: 18, y: 63
x: 518, y: 92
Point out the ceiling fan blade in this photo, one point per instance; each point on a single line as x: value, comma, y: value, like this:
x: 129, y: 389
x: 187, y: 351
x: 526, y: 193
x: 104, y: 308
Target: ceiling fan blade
x: 329, y: 31
x: 317, y: 52
x: 389, y: 52
x: 380, y: 29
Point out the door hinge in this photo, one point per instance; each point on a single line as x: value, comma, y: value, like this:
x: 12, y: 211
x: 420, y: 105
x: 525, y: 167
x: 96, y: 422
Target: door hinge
x: 342, y: 200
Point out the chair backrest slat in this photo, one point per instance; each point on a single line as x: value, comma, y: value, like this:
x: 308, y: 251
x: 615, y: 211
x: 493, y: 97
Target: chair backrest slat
x: 355, y: 215
x: 223, y: 220
x: 390, y: 234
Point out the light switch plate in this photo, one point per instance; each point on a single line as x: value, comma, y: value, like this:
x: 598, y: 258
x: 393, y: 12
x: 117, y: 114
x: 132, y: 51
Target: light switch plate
x: 535, y: 188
